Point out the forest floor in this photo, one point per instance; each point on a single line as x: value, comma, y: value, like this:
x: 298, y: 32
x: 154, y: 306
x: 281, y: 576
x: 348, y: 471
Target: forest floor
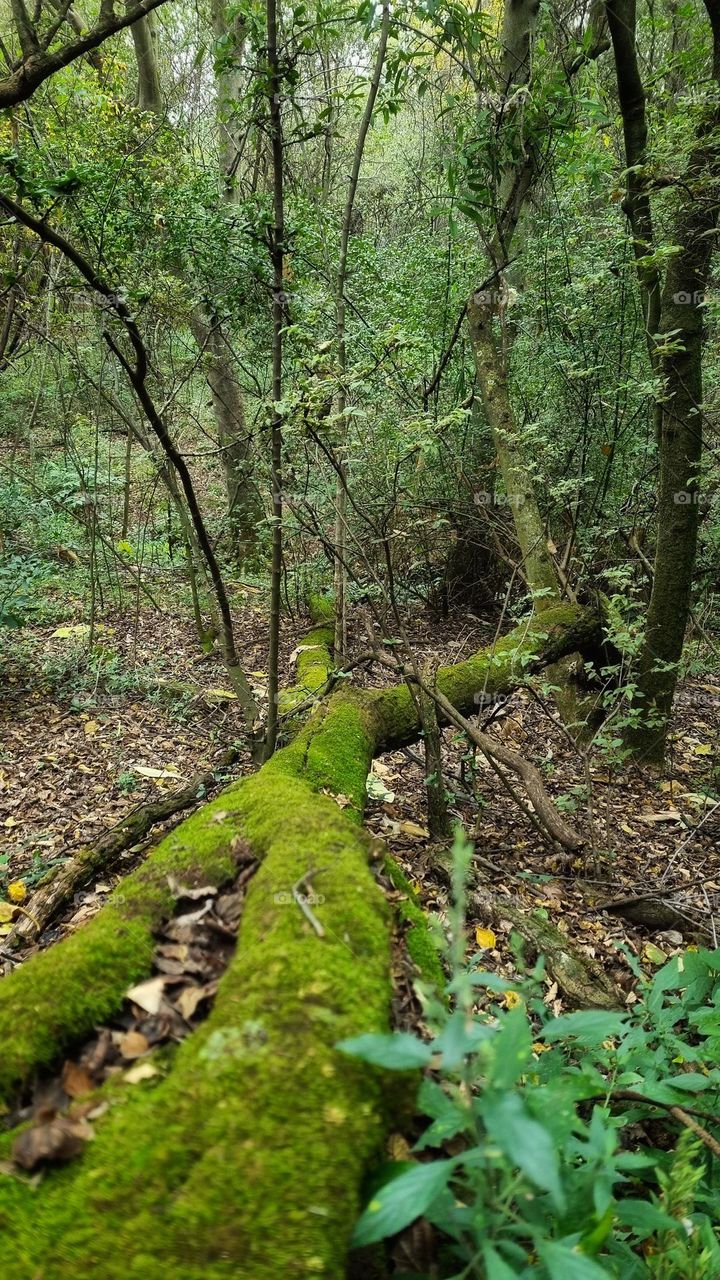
x: 83, y: 741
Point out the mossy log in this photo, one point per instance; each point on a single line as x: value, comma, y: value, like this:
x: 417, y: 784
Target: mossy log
x: 246, y: 1158
x: 579, y: 978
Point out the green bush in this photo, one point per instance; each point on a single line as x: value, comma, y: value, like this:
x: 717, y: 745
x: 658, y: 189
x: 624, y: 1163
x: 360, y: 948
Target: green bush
x: 534, y: 1161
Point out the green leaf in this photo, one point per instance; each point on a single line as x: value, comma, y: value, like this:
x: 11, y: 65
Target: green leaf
x: 401, y: 1052
x: 588, y: 1026
x: 495, y: 1268
x: 565, y: 1263
x: 512, y: 1049
x: 525, y: 1142
x: 401, y: 1201
x: 644, y: 1217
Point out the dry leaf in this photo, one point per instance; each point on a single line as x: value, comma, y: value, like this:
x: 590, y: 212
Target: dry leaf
x: 143, y: 1071
x: 91, y: 727
x: 189, y: 999
x: 145, y: 771
x: 133, y: 1045
x: 412, y: 829
x: 183, y: 891
x: 60, y: 1140
x: 148, y: 995
x: 7, y: 912
x: 76, y: 1080
x: 16, y: 891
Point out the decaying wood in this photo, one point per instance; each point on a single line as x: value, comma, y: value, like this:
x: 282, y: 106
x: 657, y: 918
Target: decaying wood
x: 54, y: 894
x: 577, y: 976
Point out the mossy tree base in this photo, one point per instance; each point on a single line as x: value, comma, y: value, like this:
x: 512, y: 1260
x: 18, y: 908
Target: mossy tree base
x: 245, y: 1161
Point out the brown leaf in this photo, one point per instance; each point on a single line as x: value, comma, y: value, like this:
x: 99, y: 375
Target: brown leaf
x: 133, y: 1045
x: 189, y: 999
x: 61, y: 1139
x: 76, y: 1080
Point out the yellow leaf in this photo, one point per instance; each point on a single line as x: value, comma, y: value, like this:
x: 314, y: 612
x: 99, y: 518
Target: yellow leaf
x: 485, y: 938
x: 91, y: 727
x: 541, y: 1048
x: 16, y: 891
x: 412, y: 829
x: 7, y: 912
x: 653, y: 954
x: 222, y: 695
x: 702, y: 749
x: 512, y: 999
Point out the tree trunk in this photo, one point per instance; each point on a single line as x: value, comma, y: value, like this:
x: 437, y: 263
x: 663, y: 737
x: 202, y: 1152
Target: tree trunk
x: 676, y: 354
x: 149, y: 92
x: 207, y: 1172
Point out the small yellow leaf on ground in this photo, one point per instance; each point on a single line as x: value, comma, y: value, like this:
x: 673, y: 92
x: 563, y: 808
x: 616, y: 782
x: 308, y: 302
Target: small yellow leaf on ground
x: 413, y: 829
x: 91, y: 727
x: 222, y: 695
x: 7, y: 912
x: 16, y: 891
x: 702, y: 749
x: 653, y: 954
x: 512, y: 999
x: 485, y: 938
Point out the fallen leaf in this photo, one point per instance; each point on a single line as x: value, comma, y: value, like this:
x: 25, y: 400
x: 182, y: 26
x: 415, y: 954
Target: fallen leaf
x: 76, y: 1080
x: 412, y: 829
x: 90, y: 727
x: 7, y: 912
x: 653, y: 954
x: 669, y: 815
x: 702, y: 749
x: 133, y: 1045
x: 143, y: 1071
x: 148, y: 995
x: 62, y: 1139
x: 146, y: 771
x: 189, y: 999
x: 485, y: 938
x: 183, y: 891
x: 16, y: 891
x: 221, y: 695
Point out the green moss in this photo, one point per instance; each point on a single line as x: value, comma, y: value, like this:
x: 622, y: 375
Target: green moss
x: 314, y: 668
x: 246, y: 1160
x: 60, y: 994
x: 492, y: 670
x: 421, y: 945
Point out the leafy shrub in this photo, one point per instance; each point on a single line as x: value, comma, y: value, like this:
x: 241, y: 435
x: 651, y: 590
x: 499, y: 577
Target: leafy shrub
x: 538, y: 1163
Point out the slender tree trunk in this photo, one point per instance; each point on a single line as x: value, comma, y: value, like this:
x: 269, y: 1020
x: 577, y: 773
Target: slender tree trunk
x: 677, y: 357
x: 485, y: 306
x: 340, y: 572
x: 149, y: 93
x: 234, y: 438
x: 277, y: 252
x: 537, y: 564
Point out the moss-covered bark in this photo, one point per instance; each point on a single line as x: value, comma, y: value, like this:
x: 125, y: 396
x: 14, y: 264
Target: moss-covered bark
x: 245, y: 1161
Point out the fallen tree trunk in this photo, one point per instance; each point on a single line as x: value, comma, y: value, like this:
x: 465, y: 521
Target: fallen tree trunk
x: 246, y: 1158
